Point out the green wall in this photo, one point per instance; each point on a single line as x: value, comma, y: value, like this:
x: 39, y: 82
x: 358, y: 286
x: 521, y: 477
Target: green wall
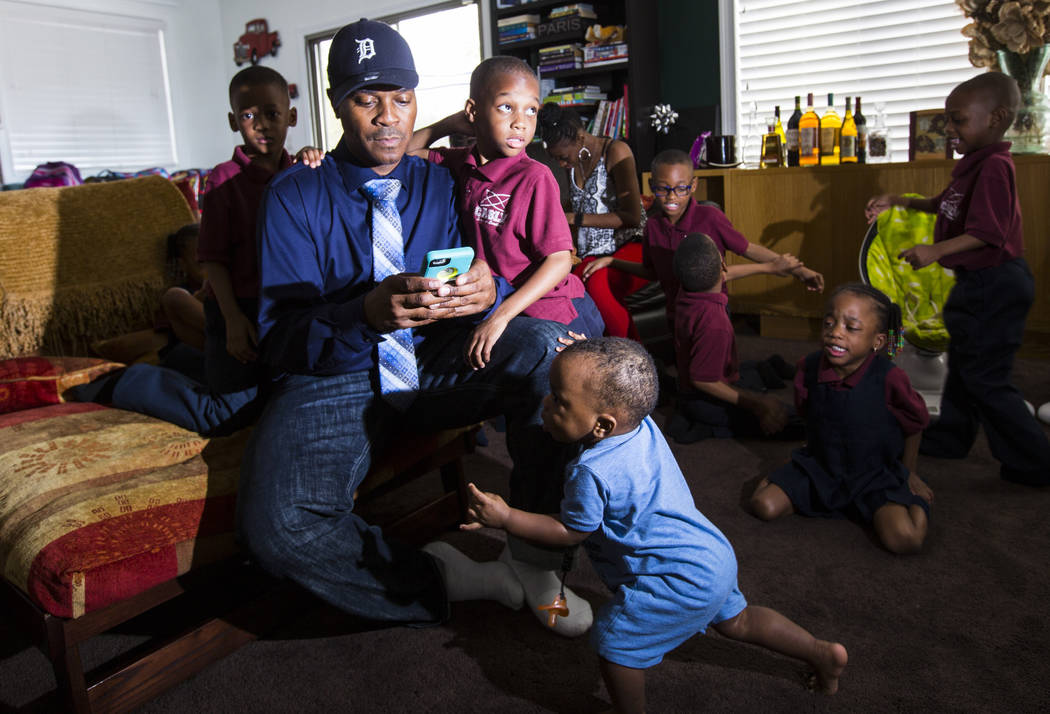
x: 688, y: 39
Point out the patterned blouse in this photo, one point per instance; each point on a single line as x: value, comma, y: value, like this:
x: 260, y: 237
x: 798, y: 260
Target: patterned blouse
x: 598, y: 195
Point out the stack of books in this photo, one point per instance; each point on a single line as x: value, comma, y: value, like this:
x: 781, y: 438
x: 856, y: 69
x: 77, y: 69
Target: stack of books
x: 560, y: 57
x: 610, y: 118
x: 576, y: 9
x: 578, y: 94
x: 501, y: 4
x: 517, y: 28
x: 597, y: 55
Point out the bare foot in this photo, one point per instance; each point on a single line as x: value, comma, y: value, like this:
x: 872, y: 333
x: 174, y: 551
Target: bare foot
x: 829, y: 661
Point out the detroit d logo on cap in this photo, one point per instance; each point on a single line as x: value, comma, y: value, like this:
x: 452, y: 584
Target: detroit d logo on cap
x: 366, y: 49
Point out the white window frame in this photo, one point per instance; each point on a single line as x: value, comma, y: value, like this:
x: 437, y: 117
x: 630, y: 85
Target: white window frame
x: 931, y: 95
x: 70, y: 123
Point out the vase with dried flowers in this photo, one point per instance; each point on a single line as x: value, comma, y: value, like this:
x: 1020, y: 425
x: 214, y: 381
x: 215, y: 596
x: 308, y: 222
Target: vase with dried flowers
x: 1012, y: 36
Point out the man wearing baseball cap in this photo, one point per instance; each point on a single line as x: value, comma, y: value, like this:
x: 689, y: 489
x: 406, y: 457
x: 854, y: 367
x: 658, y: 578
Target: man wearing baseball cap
x: 364, y: 351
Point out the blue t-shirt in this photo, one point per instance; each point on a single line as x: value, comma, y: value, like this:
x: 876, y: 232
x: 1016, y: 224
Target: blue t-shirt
x: 315, y: 258
x: 630, y: 494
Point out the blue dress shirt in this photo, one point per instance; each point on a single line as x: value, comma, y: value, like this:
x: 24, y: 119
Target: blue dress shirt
x: 315, y: 258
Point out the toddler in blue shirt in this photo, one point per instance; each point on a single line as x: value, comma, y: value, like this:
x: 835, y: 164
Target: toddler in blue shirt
x: 672, y: 572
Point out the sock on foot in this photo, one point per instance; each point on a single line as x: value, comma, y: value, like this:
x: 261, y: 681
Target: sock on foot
x: 541, y: 587
x: 467, y: 579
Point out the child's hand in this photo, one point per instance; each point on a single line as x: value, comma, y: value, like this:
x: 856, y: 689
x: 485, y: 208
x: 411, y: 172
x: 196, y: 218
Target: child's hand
x: 772, y: 414
x: 482, y: 340
x: 241, y: 338
x: 459, y: 123
x: 813, y: 280
x: 310, y: 156
x: 785, y: 264
x: 918, y: 256
x: 878, y: 204
x: 572, y: 338
x: 919, y: 487
x: 595, y: 265
x: 484, y: 509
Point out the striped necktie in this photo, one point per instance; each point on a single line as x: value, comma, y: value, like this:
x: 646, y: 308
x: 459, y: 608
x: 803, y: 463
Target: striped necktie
x: 398, y: 374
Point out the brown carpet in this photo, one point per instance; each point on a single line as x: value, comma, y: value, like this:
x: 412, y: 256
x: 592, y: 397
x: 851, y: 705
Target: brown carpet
x: 963, y: 626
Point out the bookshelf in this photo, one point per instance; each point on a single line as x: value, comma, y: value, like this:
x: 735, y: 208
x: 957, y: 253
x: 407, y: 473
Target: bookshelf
x: 638, y: 73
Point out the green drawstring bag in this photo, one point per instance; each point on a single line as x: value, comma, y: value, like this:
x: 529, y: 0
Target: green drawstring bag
x: 921, y: 293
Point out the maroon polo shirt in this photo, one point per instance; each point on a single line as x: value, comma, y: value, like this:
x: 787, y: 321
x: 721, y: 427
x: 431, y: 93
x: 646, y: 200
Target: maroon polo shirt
x: 510, y: 213
x: 661, y: 240
x: 229, y: 210
x: 902, y: 400
x: 705, y: 347
x: 981, y: 201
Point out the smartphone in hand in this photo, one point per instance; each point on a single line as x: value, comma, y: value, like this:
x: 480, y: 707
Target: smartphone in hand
x: 448, y: 263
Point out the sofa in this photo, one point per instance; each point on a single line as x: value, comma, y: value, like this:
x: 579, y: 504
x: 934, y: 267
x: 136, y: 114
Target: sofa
x: 107, y: 514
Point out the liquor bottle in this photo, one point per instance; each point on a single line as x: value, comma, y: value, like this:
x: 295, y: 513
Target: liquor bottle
x: 772, y: 149
x: 792, y: 135
x: 848, y: 137
x: 830, y: 127
x: 862, y: 134
x: 809, y: 135
x: 779, y: 128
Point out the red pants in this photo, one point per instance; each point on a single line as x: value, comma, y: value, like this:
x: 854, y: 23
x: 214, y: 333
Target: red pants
x: 608, y: 288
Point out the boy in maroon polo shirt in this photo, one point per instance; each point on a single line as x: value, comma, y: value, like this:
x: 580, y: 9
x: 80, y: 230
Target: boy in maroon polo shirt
x: 675, y: 214
x: 978, y: 235
x: 711, y: 402
x: 509, y: 204
x: 261, y: 112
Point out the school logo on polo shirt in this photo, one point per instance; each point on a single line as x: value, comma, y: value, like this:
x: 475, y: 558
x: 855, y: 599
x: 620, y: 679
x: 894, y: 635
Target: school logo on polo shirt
x: 492, y: 209
x: 950, y: 203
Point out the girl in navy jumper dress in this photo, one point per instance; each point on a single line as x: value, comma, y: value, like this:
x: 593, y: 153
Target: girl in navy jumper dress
x: 863, y: 425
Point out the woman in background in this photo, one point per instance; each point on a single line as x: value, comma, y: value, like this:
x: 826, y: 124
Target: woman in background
x: 605, y: 210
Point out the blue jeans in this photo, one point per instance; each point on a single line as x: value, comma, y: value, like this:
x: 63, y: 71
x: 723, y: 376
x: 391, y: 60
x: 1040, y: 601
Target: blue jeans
x: 229, y: 401
x: 172, y: 396
x: 315, y: 443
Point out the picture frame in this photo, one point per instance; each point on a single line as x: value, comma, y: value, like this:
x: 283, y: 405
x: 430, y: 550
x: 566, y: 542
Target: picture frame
x: 926, y: 136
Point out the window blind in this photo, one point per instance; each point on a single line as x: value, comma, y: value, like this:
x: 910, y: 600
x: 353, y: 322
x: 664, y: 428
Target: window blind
x: 902, y: 55
x: 89, y: 88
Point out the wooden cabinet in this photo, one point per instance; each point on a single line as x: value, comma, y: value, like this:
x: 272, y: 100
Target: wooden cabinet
x: 640, y: 18
x: 818, y: 214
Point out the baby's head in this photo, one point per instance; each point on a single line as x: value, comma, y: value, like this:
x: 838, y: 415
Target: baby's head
x: 260, y: 109
x: 503, y: 104
x: 599, y: 388
x: 672, y: 182
x: 859, y: 320
x: 980, y: 110
x: 698, y: 264
x: 562, y: 132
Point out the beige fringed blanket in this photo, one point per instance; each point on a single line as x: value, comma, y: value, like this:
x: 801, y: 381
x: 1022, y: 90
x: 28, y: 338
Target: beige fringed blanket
x: 83, y: 263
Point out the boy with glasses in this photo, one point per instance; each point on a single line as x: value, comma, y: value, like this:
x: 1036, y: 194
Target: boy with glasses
x: 675, y: 214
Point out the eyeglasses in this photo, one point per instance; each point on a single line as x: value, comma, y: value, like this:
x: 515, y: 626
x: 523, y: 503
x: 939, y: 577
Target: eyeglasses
x: 668, y: 191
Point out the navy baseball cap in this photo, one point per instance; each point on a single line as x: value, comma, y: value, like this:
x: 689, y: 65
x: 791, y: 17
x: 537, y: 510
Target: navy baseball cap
x: 366, y: 53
